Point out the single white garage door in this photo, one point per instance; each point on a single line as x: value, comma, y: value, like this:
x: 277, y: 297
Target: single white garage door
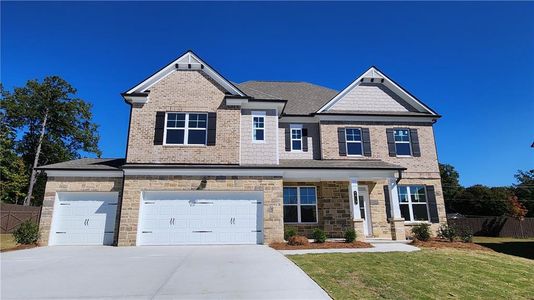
x: 180, y: 218
x: 84, y: 218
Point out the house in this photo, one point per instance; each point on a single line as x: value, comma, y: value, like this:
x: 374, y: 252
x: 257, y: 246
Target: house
x: 209, y: 161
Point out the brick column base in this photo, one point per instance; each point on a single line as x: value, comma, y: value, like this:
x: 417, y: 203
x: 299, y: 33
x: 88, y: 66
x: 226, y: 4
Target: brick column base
x: 358, y: 227
x: 398, y: 232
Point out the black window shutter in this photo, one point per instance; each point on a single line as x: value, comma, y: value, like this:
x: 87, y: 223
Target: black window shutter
x: 414, y: 137
x: 366, y: 140
x: 391, y: 142
x: 388, y: 202
x: 305, y: 139
x: 159, y: 128
x: 342, y: 142
x: 432, y: 205
x: 288, y: 138
x: 212, y: 128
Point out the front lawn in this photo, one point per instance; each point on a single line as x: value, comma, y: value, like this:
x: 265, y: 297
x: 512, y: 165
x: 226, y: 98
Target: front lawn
x: 425, y: 274
x: 7, y: 241
x: 512, y: 246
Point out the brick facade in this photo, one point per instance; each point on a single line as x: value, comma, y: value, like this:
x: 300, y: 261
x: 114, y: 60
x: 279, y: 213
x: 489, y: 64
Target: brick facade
x: 134, y: 185
x: 187, y: 91
x: 72, y: 184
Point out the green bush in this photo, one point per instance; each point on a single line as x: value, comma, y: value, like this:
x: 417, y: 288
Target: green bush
x: 465, y: 235
x: 421, y: 232
x: 27, y: 233
x: 350, y: 235
x: 289, y: 232
x: 319, y: 235
x: 447, y: 232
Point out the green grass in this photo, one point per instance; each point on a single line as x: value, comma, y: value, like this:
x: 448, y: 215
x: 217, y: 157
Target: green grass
x: 425, y: 274
x: 512, y: 246
x: 7, y: 241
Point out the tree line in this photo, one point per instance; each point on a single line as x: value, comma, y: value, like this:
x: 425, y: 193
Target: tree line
x: 41, y: 123
x: 482, y: 200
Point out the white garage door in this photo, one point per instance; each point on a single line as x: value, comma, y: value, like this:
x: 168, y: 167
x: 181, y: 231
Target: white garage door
x: 82, y: 218
x: 175, y: 218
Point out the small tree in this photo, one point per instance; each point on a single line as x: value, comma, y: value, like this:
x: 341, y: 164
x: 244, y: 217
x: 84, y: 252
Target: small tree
x: 517, y: 210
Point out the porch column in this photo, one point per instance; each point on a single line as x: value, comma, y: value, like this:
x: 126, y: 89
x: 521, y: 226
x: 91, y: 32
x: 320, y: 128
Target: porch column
x: 397, y: 221
x: 354, y: 204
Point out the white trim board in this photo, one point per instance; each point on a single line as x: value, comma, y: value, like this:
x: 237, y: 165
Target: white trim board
x: 189, y: 58
x: 373, y: 73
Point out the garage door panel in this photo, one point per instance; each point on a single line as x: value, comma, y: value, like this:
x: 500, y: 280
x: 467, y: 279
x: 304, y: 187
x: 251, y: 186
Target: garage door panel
x: 84, y: 218
x: 203, y: 218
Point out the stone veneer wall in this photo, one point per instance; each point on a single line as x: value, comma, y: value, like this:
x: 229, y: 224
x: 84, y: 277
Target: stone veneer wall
x: 333, y: 208
x: 184, y: 91
x: 73, y: 184
x: 134, y: 185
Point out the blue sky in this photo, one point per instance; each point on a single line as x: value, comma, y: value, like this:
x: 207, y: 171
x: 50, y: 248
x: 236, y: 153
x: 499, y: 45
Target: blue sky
x: 471, y: 62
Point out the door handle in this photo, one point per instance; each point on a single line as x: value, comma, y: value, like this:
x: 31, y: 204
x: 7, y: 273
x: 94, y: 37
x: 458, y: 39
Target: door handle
x: 170, y: 221
x: 87, y: 222
x: 173, y: 221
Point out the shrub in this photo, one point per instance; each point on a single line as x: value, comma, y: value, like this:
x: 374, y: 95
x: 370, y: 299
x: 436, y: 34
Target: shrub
x: 27, y: 233
x: 350, y: 235
x: 319, y: 235
x: 421, y: 232
x: 447, y: 232
x: 465, y: 235
x: 298, y: 240
x: 289, y: 232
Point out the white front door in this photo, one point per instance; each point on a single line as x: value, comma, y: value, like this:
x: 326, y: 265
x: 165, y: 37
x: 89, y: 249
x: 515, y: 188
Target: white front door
x: 365, y: 213
x: 84, y: 218
x: 178, y: 218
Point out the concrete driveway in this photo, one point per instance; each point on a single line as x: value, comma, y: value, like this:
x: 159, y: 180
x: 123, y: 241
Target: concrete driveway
x: 185, y: 272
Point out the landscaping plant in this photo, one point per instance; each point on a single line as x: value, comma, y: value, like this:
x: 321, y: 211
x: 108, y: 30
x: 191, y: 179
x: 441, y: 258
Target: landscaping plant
x: 298, y: 240
x: 319, y: 235
x: 289, y: 232
x: 421, y: 232
x: 447, y: 232
x: 350, y: 235
x: 27, y: 233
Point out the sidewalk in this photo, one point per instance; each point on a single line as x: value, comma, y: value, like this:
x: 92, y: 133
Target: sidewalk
x: 378, y: 247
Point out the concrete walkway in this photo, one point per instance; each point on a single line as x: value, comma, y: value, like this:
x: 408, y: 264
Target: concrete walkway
x: 378, y: 247
x: 169, y: 272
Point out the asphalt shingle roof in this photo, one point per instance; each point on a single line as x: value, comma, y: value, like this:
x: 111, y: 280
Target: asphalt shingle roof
x: 303, y: 98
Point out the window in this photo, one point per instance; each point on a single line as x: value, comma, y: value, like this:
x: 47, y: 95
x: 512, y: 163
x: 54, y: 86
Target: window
x: 258, y: 127
x: 296, y: 137
x: 300, y: 204
x: 412, y: 200
x: 402, y: 142
x: 353, y: 137
x: 186, y: 129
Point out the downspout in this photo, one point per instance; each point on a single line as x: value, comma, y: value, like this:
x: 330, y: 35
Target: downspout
x: 400, y: 176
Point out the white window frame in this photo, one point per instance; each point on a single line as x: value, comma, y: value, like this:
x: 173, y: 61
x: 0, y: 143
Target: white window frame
x: 185, y: 129
x: 299, y: 128
x: 410, y: 203
x: 353, y: 142
x: 258, y: 114
x: 409, y: 142
x: 298, y: 205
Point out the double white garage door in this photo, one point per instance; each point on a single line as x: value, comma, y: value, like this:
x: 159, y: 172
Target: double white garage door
x: 165, y: 218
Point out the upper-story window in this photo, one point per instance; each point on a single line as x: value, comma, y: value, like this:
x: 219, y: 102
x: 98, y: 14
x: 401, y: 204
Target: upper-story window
x: 402, y: 142
x: 296, y: 137
x: 258, y: 126
x: 353, y: 138
x: 413, y: 202
x: 186, y: 128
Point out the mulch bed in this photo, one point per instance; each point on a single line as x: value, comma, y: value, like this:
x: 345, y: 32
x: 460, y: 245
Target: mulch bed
x: 326, y: 245
x: 20, y: 247
x: 436, y: 243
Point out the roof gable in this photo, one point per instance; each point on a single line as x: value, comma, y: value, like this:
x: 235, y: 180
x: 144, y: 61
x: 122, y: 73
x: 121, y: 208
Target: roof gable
x: 374, y: 91
x: 187, y: 61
